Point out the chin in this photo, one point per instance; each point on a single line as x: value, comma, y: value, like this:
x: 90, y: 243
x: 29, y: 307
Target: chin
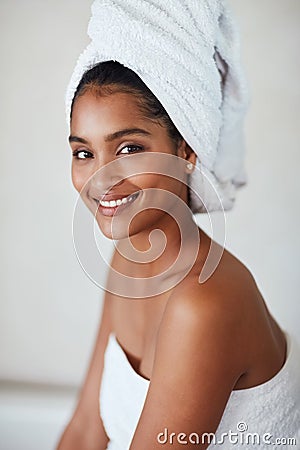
x: 113, y: 230
x: 118, y: 228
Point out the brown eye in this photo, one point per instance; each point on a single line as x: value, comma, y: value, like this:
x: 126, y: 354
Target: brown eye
x: 130, y: 149
x: 82, y: 154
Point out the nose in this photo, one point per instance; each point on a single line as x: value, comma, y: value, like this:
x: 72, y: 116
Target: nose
x: 106, y: 177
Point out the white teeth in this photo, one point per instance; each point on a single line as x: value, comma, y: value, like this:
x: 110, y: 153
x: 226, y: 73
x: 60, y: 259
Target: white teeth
x: 119, y: 201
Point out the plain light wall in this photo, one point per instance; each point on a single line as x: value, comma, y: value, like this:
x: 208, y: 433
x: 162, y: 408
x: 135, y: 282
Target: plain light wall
x: 50, y: 310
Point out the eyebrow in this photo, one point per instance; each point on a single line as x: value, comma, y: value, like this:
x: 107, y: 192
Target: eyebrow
x: 113, y: 136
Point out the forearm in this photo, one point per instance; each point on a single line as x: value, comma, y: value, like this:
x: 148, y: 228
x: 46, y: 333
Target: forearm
x: 79, y: 435
x: 90, y: 390
x: 85, y: 430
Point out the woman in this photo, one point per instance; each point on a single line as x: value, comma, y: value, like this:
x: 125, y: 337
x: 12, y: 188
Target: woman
x: 177, y: 361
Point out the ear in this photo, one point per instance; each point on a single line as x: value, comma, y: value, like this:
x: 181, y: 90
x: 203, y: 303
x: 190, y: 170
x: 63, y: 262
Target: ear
x: 185, y: 152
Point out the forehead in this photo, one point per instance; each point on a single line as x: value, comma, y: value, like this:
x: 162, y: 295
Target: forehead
x: 96, y: 116
x: 118, y: 106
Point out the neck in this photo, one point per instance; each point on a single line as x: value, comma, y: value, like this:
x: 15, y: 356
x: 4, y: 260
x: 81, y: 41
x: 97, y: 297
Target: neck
x: 156, y: 248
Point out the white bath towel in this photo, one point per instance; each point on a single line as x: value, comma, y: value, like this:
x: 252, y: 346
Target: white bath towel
x: 179, y: 48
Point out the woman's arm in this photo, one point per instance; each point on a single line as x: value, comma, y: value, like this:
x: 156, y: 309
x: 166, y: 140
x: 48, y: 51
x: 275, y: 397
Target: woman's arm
x: 197, y: 363
x: 85, y: 429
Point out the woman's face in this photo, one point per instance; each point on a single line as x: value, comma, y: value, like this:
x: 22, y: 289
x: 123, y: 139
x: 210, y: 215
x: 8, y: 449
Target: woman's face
x: 105, y: 132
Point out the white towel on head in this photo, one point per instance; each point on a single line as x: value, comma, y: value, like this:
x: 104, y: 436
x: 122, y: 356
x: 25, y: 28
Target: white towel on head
x: 179, y: 48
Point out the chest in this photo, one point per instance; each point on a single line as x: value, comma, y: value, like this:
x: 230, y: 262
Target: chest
x: 135, y: 323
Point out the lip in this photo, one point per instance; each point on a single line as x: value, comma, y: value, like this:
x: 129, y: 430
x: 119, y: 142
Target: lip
x: 115, y: 210
x: 108, y: 197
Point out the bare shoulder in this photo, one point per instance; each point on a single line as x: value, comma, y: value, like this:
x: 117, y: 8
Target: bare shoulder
x: 229, y: 313
x: 217, y: 317
x: 226, y: 316
x: 207, y: 341
x: 225, y: 297
x: 196, y: 363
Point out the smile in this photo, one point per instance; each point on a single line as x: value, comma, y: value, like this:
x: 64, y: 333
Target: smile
x: 118, y: 201
x: 116, y: 206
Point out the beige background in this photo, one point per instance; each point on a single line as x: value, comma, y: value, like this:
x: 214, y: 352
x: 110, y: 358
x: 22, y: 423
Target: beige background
x: 49, y: 308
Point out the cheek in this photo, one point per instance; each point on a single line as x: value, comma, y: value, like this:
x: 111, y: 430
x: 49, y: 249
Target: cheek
x: 79, y: 177
x: 159, y: 181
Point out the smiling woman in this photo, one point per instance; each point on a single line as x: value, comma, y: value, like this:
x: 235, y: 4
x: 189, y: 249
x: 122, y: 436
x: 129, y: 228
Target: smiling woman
x: 108, y: 123
x: 176, y: 360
